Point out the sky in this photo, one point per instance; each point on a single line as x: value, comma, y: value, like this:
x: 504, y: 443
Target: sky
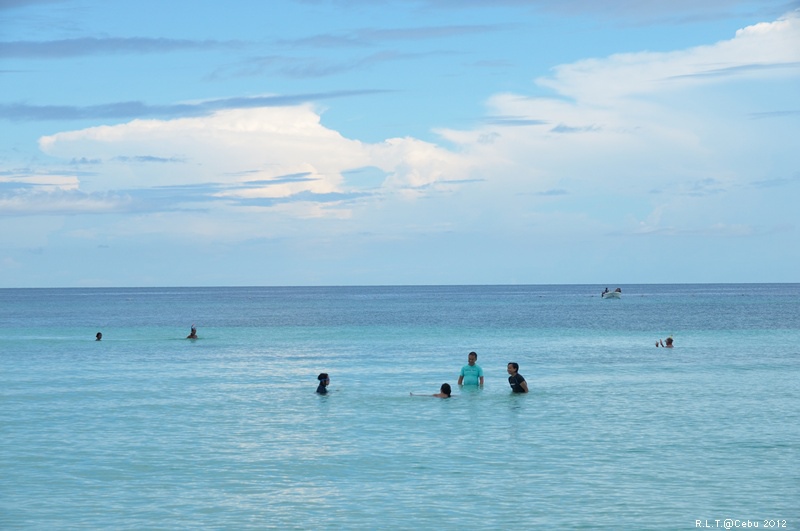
x: 398, y: 142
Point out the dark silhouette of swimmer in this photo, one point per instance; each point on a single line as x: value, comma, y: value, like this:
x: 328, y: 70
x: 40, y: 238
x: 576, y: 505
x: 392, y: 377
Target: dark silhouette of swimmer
x: 324, y: 380
x: 660, y: 343
x: 99, y: 336
x: 192, y: 334
x: 515, y: 379
x: 444, y: 392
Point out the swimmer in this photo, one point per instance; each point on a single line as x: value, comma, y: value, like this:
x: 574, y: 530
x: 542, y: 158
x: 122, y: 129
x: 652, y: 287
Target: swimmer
x: 99, y: 336
x: 668, y: 344
x: 324, y: 380
x: 192, y: 334
x: 444, y: 392
x: 515, y: 379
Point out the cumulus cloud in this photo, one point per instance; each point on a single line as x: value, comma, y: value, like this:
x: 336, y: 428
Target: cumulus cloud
x: 756, y: 51
x: 618, y: 126
x: 252, y: 158
x: 624, y: 103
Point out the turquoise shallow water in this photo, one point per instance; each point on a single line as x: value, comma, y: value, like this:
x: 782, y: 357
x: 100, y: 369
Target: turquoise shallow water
x: 147, y: 430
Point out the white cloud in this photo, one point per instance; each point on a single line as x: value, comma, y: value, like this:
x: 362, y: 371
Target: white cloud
x: 226, y: 147
x: 634, y: 120
x: 755, y: 51
x: 414, y: 164
x: 618, y: 127
x: 44, y: 182
x: 247, y: 146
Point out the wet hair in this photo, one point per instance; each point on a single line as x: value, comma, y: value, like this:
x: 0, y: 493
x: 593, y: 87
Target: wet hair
x: 473, y: 354
x: 515, y: 365
x: 323, y: 376
x: 446, y: 389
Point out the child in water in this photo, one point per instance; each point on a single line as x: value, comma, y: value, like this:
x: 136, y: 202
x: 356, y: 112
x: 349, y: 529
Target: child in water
x: 324, y: 380
x: 660, y: 343
x: 444, y: 392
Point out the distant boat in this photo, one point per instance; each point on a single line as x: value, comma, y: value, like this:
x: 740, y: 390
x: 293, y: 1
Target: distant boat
x: 616, y: 294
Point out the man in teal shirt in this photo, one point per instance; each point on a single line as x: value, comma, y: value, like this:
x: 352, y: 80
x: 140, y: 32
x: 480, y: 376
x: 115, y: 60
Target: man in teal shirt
x: 471, y: 374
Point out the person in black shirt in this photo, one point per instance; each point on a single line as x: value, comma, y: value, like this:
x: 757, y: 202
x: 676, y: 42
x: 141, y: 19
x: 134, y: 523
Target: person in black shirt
x: 515, y: 379
x: 324, y: 380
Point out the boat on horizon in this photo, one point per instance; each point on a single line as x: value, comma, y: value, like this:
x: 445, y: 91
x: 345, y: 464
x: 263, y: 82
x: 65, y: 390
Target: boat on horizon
x: 616, y: 294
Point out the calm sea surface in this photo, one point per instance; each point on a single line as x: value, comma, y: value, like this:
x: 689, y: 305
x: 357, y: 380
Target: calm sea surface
x: 148, y: 430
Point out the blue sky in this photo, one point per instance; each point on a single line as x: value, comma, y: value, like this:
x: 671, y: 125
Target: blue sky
x: 358, y: 142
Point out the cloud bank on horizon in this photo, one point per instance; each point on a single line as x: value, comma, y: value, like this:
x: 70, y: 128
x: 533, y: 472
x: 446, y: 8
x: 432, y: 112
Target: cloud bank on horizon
x: 634, y: 166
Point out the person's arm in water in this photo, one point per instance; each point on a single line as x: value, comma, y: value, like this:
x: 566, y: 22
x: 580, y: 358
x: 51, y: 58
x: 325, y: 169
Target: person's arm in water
x: 524, y: 386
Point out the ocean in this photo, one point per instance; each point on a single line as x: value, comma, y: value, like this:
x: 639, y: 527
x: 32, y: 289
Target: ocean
x: 149, y: 430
